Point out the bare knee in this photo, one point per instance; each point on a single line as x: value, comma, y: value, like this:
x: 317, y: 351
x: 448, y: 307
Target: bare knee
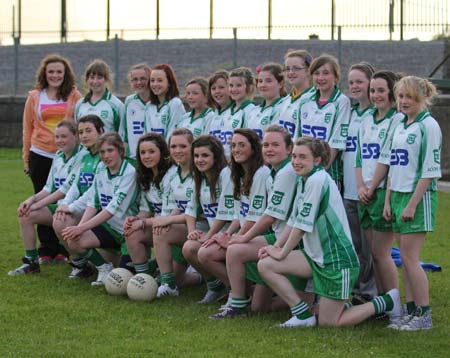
x: 190, y: 249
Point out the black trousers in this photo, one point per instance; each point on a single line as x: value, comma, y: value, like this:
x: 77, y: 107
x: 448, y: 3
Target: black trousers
x: 39, y: 167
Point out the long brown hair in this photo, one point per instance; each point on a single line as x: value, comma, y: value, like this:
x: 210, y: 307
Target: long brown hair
x: 173, y: 90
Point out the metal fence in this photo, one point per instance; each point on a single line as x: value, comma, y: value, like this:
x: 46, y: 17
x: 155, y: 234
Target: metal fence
x: 72, y: 21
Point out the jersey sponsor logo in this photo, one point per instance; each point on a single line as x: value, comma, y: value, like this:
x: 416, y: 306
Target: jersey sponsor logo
x: 59, y: 182
x: 244, y: 209
x: 437, y: 156
x: 86, y: 179
x: 210, y: 210
x: 258, y: 201
x: 277, y: 197
x: 225, y: 137
x: 215, y: 133
x: 411, y: 138
x: 156, y: 207
x: 314, y: 131
x: 259, y: 132
x: 138, y: 127
x: 105, y: 200
x: 306, y: 209
x: 328, y: 117
x: 289, y: 126
x: 351, y: 144
x: 344, y: 130
x: 382, y: 134
x: 182, y: 204
x: 104, y: 114
x: 370, y: 151
x: 399, y: 157
x: 229, y: 201
x: 158, y: 130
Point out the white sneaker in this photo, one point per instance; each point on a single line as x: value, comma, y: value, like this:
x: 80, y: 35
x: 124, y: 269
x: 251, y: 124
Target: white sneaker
x: 213, y: 296
x: 396, y: 324
x: 165, y: 290
x: 418, y: 322
x: 295, y: 322
x: 227, y: 304
x: 103, y: 272
x: 397, y: 311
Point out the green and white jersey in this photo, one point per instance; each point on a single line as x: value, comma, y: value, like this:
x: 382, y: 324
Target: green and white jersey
x: 263, y: 116
x: 116, y: 194
x: 62, y: 168
x: 206, y: 207
x: 373, y: 136
x: 290, y: 109
x: 163, y: 119
x: 251, y: 207
x: 132, y: 124
x: 236, y: 119
x: 155, y: 200
x: 414, y: 153
x: 282, y: 190
x: 214, y: 124
x: 349, y: 155
x: 197, y: 126
x: 225, y: 209
x: 319, y: 212
x: 109, y: 108
x: 181, y: 191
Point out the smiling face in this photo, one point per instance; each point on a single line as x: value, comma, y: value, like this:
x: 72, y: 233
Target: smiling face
x: 111, y: 157
x: 140, y: 82
x: 241, y: 149
x: 274, y: 149
x: 203, y: 159
x: 159, y: 83
x: 379, y: 94
x: 220, y: 92
x: 97, y: 84
x: 180, y: 149
x: 296, y: 72
x: 65, y: 140
x: 358, y: 85
x: 303, y: 160
x: 195, y: 97
x: 268, y: 86
x: 54, y: 74
x: 238, y: 89
x: 88, y: 134
x: 324, y: 78
x: 149, y: 154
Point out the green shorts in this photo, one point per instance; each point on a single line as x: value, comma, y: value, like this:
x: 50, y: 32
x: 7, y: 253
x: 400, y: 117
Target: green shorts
x: 371, y: 216
x: 177, y: 255
x: 424, y: 218
x: 334, y: 284
x: 252, y: 273
x: 52, y: 208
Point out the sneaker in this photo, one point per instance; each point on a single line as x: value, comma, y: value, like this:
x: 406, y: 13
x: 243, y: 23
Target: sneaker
x: 45, y: 260
x: 230, y: 312
x: 296, y: 322
x: 227, y: 304
x: 165, y: 290
x: 82, y: 271
x: 28, y: 266
x: 396, y: 324
x: 397, y: 311
x: 418, y: 322
x: 60, y: 259
x: 213, y: 296
x: 103, y: 272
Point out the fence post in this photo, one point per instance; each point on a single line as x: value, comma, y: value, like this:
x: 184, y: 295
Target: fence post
x: 116, y: 63
x: 340, y: 45
x: 16, y: 64
x: 401, y: 19
x: 234, y: 47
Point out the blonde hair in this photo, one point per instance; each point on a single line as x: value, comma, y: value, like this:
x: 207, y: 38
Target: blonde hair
x: 419, y: 89
x: 303, y: 54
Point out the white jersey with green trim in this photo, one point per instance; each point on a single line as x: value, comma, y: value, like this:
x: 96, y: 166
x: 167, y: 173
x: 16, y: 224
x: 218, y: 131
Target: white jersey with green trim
x: 373, y: 136
x: 290, y: 109
x: 206, y: 207
x: 236, y: 120
x: 197, y: 126
x: 116, y: 194
x: 181, y: 191
x: 109, y: 108
x: 251, y: 207
x: 163, y: 118
x: 328, y: 122
x: 349, y: 155
x: 155, y: 200
x: 62, y: 168
x: 320, y: 213
x: 282, y: 190
x: 214, y: 124
x: 132, y: 125
x: 263, y: 116
x: 225, y: 209
x: 414, y: 153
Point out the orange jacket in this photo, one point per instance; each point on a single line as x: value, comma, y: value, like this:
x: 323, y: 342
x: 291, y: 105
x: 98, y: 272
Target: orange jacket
x: 35, y: 133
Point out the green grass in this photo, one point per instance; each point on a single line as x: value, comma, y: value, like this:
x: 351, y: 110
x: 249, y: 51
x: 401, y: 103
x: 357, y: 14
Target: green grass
x: 48, y: 315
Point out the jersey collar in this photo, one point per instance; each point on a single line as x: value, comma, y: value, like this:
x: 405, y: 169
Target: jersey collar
x: 242, y: 106
x: 420, y: 117
x: 121, y: 169
x: 274, y: 171
x: 202, y: 115
x: 295, y: 96
x: 107, y: 95
x: 335, y: 94
x: 361, y: 112
x: 273, y: 104
x: 389, y: 114
x: 230, y: 106
x: 182, y: 180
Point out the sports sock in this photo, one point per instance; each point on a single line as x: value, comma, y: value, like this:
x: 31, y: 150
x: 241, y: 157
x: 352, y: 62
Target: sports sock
x: 347, y: 305
x: 214, y: 284
x: 93, y: 256
x: 421, y: 310
x: 383, y: 303
x: 32, y: 254
x: 410, y: 307
x: 141, y: 268
x: 152, y: 265
x: 240, y: 303
x: 301, y: 310
x: 169, y: 278
x: 79, y: 261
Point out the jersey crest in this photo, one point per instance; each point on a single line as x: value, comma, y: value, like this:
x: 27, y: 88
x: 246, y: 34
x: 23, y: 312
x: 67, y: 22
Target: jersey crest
x: 306, y: 209
x: 277, y: 197
x: 437, y: 156
x: 104, y: 114
x: 411, y: 138
x: 328, y: 117
x: 382, y: 134
x: 344, y: 130
x: 229, y: 201
x: 258, y: 201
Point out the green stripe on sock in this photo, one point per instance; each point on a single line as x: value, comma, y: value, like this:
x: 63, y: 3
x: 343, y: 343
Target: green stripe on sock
x: 93, y: 256
x: 240, y: 303
x: 301, y: 310
x: 32, y: 254
x: 214, y: 284
x: 141, y: 268
x: 168, y: 278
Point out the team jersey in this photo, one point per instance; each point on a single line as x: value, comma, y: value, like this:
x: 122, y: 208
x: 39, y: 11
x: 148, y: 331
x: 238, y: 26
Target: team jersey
x: 132, y: 124
x: 206, y: 206
x: 109, y: 108
x: 263, y: 116
x: 236, y: 119
x: 62, y: 168
x: 349, y: 155
x: 251, y: 207
x: 181, y: 190
x: 319, y: 212
x: 225, y: 210
x: 214, y: 125
x: 414, y: 153
x: 116, y: 194
x: 197, y: 126
x: 372, y: 137
x: 290, y: 109
x: 281, y: 195
x: 163, y: 119
x: 154, y: 200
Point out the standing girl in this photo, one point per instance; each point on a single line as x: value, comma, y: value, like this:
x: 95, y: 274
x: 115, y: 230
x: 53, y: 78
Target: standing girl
x: 135, y: 106
x: 100, y: 100
x: 166, y: 108
x: 200, y: 115
x: 270, y: 85
x: 327, y: 254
